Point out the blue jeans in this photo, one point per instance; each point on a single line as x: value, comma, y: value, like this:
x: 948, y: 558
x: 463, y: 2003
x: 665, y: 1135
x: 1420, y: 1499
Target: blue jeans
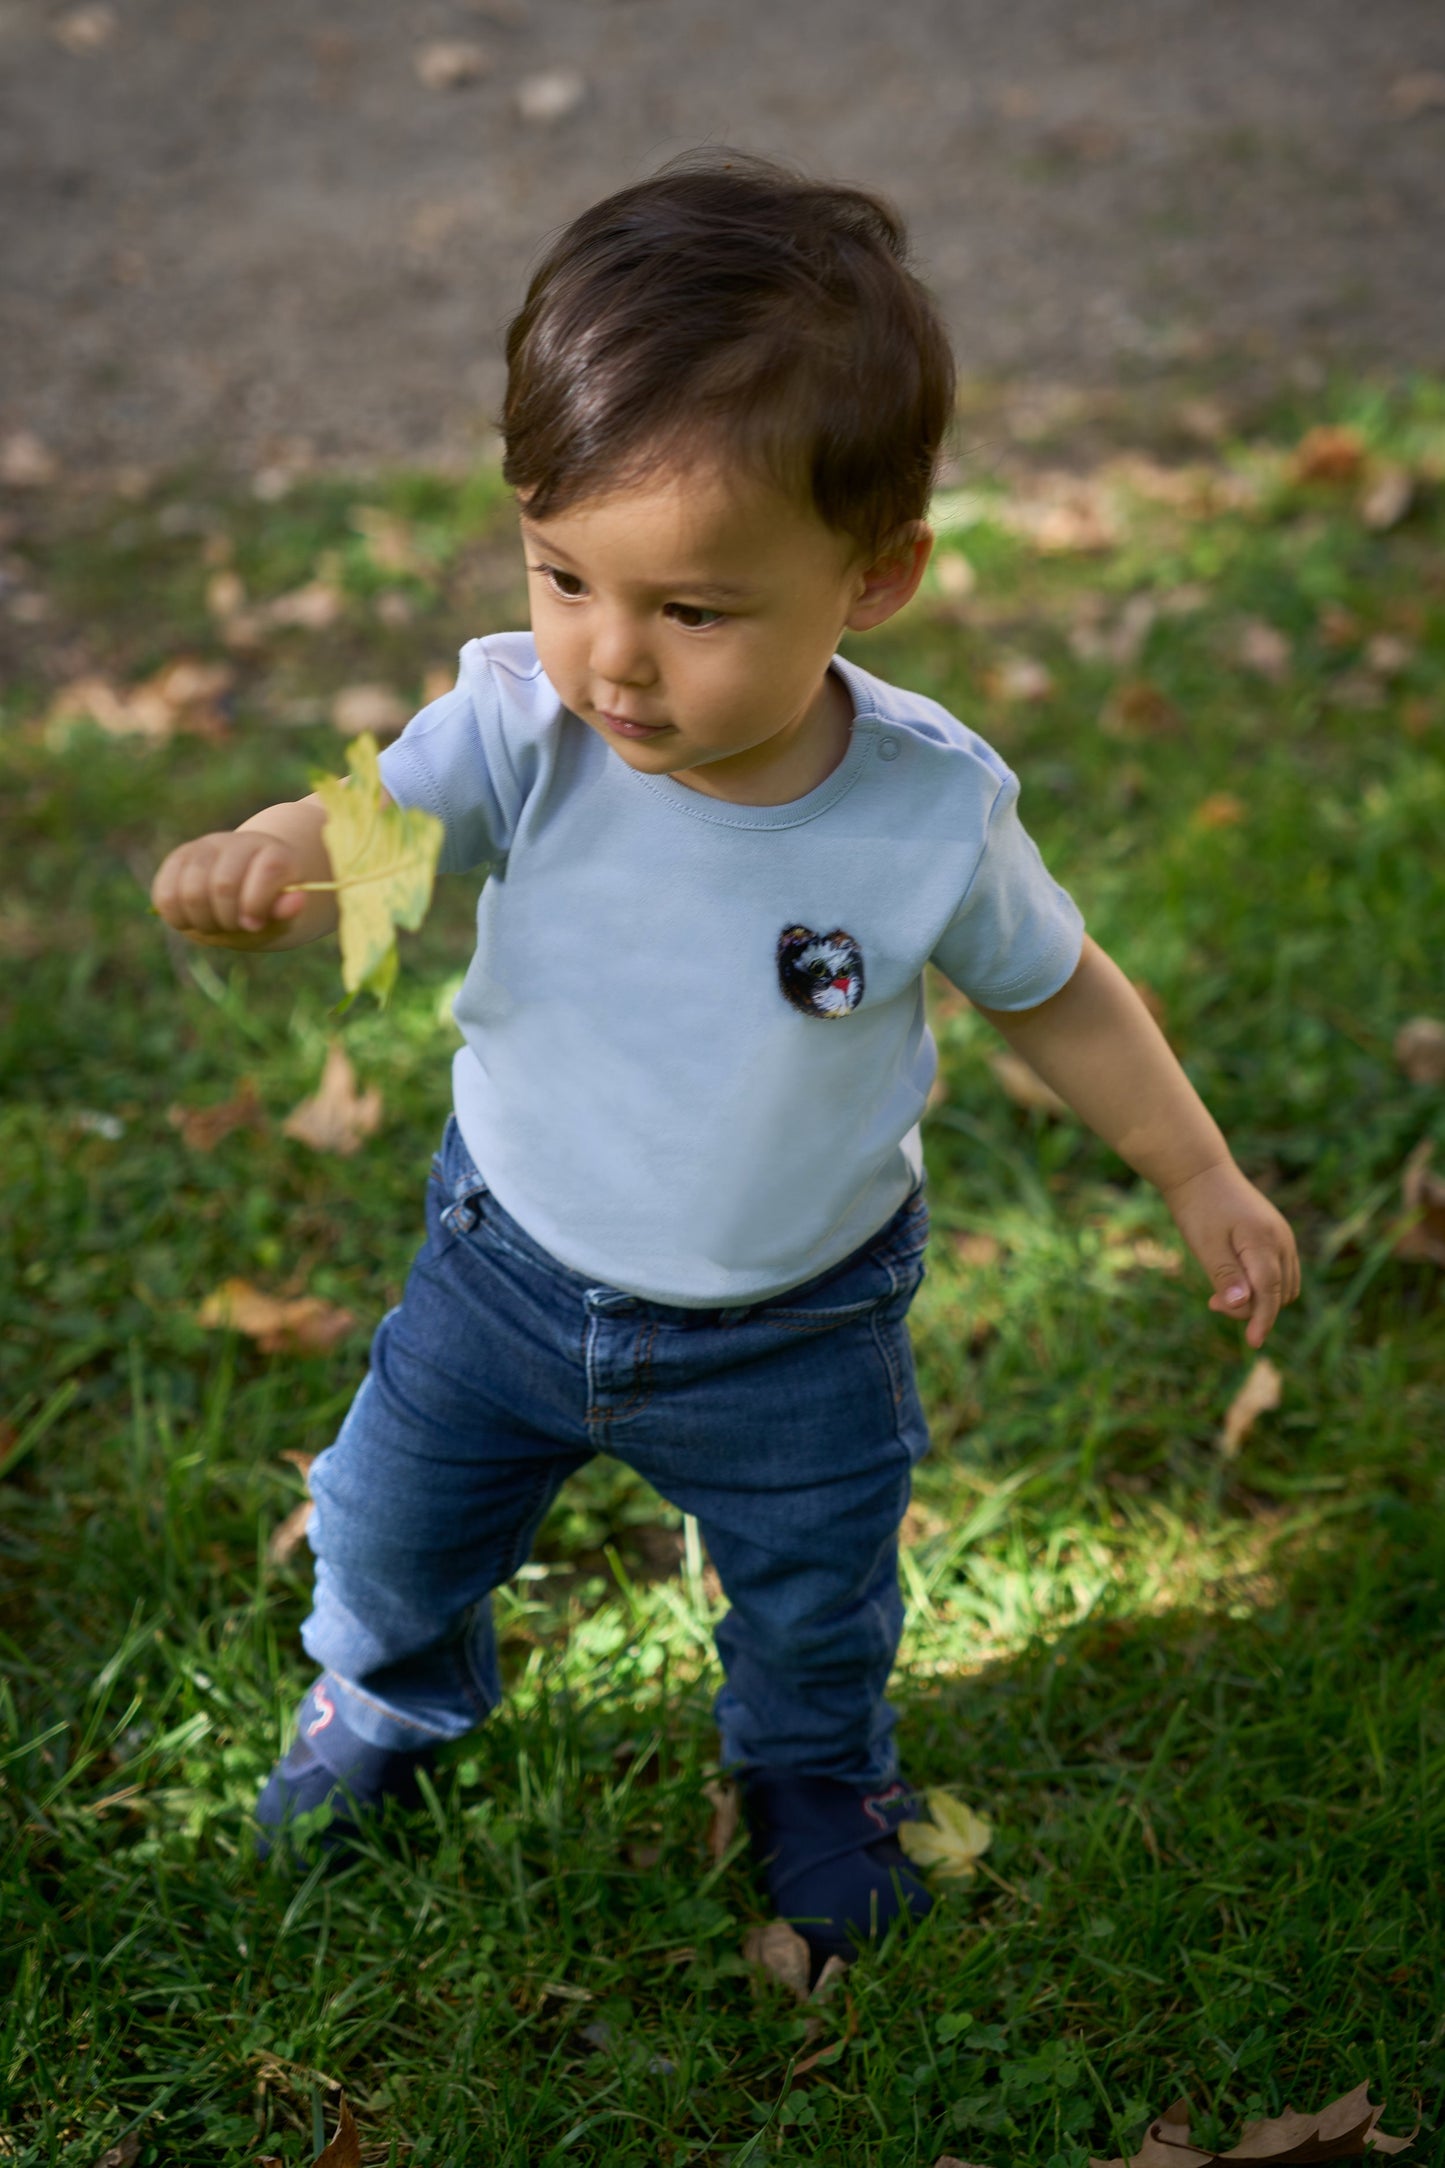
x: 790, y: 1428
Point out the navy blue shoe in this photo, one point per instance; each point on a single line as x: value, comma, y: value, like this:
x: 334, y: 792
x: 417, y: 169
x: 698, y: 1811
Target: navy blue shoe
x: 833, y: 1865
x: 328, y: 1768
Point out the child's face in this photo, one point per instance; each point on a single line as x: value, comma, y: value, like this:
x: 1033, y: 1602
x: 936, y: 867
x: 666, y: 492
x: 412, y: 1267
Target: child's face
x: 690, y: 621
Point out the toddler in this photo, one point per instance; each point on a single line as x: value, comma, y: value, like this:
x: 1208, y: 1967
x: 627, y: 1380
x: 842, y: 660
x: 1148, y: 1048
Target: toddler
x: 678, y: 1212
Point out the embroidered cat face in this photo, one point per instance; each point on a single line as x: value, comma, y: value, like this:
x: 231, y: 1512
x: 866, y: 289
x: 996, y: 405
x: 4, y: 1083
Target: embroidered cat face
x: 820, y: 973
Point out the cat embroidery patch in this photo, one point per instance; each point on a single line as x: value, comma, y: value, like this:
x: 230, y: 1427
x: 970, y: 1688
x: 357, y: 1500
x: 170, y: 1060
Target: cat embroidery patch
x: 820, y: 973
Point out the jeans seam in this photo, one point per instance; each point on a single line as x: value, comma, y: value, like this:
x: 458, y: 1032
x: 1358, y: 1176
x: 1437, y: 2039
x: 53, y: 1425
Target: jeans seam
x: 605, y: 1413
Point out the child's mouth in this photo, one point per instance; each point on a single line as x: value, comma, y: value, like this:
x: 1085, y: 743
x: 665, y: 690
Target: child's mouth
x: 626, y: 728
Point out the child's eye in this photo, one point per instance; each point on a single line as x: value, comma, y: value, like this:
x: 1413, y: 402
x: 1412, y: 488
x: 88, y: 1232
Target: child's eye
x: 565, y: 584
x: 692, y: 617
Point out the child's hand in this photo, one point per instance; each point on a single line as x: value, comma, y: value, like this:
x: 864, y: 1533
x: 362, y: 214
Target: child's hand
x: 1242, y: 1242
x: 223, y: 888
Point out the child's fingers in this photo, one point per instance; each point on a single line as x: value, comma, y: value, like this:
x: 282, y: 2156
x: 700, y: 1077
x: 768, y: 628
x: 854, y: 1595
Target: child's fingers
x: 259, y: 895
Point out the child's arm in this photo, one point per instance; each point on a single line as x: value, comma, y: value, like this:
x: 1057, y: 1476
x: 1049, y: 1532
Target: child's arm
x: 1102, y: 1051
x: 227, y: 890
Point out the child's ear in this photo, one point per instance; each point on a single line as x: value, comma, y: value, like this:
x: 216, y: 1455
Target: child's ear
x: 892, y: 578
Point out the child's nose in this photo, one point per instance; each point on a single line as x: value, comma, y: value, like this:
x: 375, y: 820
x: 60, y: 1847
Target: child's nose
x: 620, y: 654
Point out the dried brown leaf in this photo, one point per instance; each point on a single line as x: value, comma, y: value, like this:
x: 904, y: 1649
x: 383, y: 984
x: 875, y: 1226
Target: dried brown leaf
x: 313, y: 607
x: 782, y: 1953
x: 1423, y: 1196
x: 1420, y: 1049
x: 1017, y: 678
x: 1137, y: 709
x: 337, y: 1117
x: 830, y: 1979
x: 951, y: 2160
x: 344, y: 2149
x: 1388, y: 655
x: 726, y: 1802
x: 976, y: 1251
x: 450, y: 63
x: 1264, y: 649
x: 1221, y: 809
x: 377, y: 708
x: 202, y: 1128
x: 1329, y: 453
x: 1024, y: 1085
x: 296, y: 1324
x: 550, y: 95
x: 1155, y: 1256
x: 1259, y: 1393
x: 26, y: 463
x: 390, y: 539
x: 120, y: 2155
x: 955, y: 575
x: 1386, y: 498
x: 180, y: 697
x: 85, y: 30
x: 289, y: 1535
x: 1421, y: 91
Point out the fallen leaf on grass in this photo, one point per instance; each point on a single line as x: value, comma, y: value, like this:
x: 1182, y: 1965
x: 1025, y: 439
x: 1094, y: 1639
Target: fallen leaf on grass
x: 1420, y: 1050
x: 1016, y: 678
x: 1421, y: 91
x: 1137, y: 709
x: 1388, y: 655
x: 450, y: 63
x: 337, y: 1117
x: 782, y: 1953
x: 202, y: 1128
x: 1386, y: 497
x: 1024, y: 1085
x: 288, y: 1536
x: 344, y: 2149
x: 977, y: 1251
x: 280, y: 1325
x: 550, y: 96
x: 1264, y: 649
x: 26, y: 463
x: 390, y: 540
x: 314, y: 607
x: 953, y: 1842
x: 1154, y: 1256
x: 955, y: 575
x: 951, y: 2160
x: 378, y: 709
x: 85, y: 30
x: 183, y: 696
x: 1329, y: 453
x: 384, y: 861
x: 120, y: 2155
x: 1423, y: 1196
x: 1259, y: 1393
x: 1221, y: 809
x: 1348, y: 2129
x: 726, y: 1803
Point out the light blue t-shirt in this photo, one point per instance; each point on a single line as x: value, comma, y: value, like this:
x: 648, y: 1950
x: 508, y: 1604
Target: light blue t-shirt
x: 695, y: 1050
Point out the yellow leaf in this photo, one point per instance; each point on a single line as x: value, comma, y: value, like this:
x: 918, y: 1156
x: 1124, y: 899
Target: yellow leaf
x: 384, y: 861
x: 953, y: 1842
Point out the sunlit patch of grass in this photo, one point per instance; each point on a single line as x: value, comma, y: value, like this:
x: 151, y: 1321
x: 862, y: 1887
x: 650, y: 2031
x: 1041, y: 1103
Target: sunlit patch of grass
x: 1199, y: 1699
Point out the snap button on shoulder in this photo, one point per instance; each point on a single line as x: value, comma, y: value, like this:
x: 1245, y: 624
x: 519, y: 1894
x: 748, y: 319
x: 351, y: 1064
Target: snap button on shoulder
x: 888, y: 748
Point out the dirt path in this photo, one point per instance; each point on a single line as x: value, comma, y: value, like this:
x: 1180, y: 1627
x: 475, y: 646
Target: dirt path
x: 231, y: 226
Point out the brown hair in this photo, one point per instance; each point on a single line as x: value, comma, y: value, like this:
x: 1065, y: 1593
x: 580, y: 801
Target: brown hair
x: 730, y: 304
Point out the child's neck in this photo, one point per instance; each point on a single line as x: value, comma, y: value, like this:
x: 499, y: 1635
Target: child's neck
x: 775, y: 773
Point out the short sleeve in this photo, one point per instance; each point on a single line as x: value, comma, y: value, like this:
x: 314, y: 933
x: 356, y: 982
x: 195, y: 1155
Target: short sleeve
x: 1016, y: 937
x: 453, y: 760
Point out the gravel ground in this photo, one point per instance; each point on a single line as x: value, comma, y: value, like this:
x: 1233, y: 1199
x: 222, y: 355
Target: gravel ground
x: 240, y: 229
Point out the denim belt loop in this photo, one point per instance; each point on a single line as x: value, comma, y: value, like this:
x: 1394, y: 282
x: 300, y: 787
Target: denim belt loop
x: 464, y: 1213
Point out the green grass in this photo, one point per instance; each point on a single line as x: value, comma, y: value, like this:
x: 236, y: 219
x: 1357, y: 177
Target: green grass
x: 1202, y: 1701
